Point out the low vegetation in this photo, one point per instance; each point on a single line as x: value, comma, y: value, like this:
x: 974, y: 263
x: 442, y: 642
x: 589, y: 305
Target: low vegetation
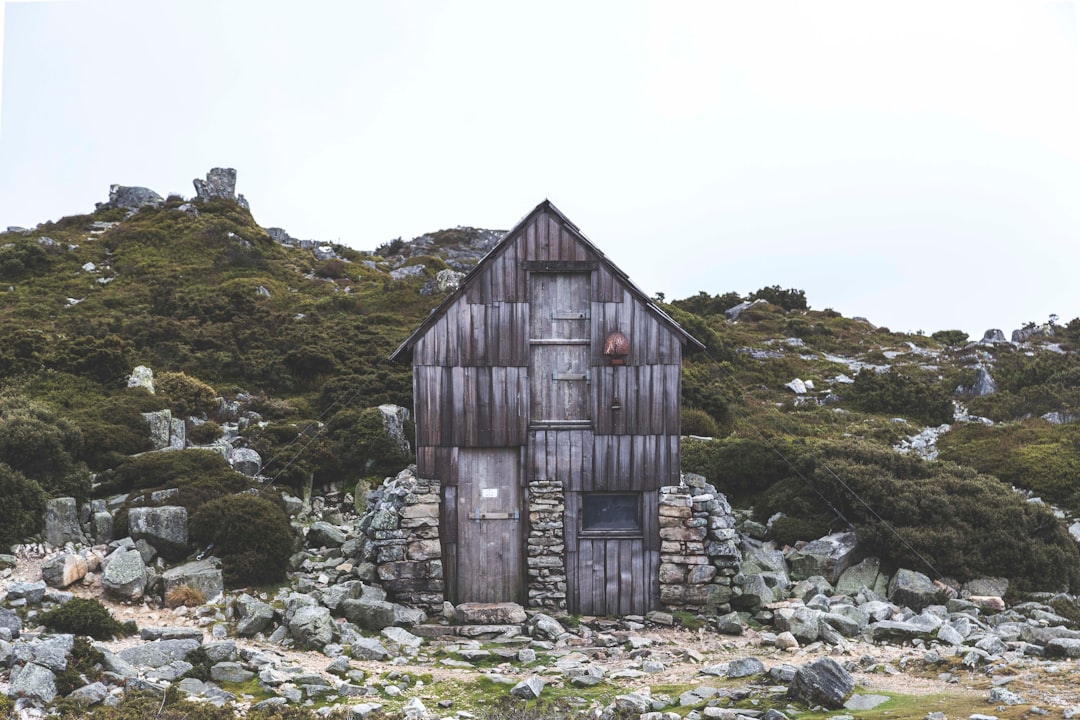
x: 233, y: 323
x: 84, y: 616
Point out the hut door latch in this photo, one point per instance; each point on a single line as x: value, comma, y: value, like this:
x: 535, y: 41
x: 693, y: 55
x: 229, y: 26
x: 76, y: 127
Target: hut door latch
x: 477, y: 515
x: 586, y: 376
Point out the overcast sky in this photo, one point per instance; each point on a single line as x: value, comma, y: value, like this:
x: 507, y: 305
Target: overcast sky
x: 916, y: 163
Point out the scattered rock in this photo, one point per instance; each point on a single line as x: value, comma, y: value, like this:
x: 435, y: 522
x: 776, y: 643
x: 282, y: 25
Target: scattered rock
x: 63, y: 569
x: 164, y: 527
x: 143, y: 377
x: 822, y: 682
x: 529, y: 688
x: 125, y: 574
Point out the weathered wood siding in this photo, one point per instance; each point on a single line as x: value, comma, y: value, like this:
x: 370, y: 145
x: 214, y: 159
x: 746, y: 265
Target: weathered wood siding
x: 475, y: 386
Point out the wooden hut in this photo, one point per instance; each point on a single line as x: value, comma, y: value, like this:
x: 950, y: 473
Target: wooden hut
x: 547, y: 397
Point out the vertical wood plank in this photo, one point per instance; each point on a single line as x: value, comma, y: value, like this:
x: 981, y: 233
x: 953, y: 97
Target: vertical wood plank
x: 639, y: 580
x: 611, y: 577
x: 599, y: 582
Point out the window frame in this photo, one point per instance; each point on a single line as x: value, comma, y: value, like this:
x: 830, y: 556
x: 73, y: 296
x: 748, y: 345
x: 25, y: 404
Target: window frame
x: 635, y: 532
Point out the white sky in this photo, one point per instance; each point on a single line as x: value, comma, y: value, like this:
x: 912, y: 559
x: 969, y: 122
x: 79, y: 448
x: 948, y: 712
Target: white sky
x: 916, y: 163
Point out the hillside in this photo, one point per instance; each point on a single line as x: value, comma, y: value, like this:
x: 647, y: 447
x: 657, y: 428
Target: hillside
x: 281, y: 346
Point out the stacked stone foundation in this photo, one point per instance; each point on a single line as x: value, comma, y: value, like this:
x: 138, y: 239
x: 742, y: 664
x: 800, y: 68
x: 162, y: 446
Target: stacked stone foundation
x: 403, y: 541
x: 699, y: 556
x: 546, y: 546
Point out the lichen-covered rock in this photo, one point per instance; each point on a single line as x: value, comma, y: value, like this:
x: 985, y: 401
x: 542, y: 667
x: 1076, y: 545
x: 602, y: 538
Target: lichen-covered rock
x: 323, y: 534
x: 125, y: 574
x: 131, y: 197
x: 219, y: 183
x: 368, y: 649
x: 64, y: 569
x: 31, y: 592
x: 10, y: 622
x: 255, y: 615
x: 489, y: 614
x: 33, y: 681
x: 369, y: 614
x: 311, y: 626
x: 394, y: 418
x: 865, y: 574
x: 245, y: 460
x: 158, y: 653
x: 823, y: 682
x: 202, y: 575
x: 529, y: 688
x: 912, y: 589
x: 143, y: 377
x: 828, y: 557
x: 62, y: 522
x: 165, y: 528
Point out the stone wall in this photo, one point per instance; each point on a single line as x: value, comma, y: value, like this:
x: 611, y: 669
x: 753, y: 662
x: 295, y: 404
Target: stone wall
x: 546, y: 546
x: 401, y: 530
x: 699, y: 557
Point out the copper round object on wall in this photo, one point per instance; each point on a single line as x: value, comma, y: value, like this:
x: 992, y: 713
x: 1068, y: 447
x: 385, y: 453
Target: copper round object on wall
x: 616, y: 347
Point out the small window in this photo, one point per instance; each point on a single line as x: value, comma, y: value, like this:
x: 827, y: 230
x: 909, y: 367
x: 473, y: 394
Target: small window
x: 610, y: 512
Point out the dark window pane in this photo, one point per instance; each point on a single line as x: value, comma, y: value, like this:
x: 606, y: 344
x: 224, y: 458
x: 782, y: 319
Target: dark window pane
x: 610, y: 512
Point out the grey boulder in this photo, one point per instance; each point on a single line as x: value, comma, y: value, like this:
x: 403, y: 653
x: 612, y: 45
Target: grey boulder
x: 159, y: 653
x: 63, y: 569
x: 165, y: 528
x: 202, y: 575
x: 823, y: 682
x: 913, y: 589
x: 323, y: 534
x: 125, y: 574
x: 311, y: 626
x: 255, y: 615
x: 33, y: 681
x: 62, y: 522
x: 828, y: 557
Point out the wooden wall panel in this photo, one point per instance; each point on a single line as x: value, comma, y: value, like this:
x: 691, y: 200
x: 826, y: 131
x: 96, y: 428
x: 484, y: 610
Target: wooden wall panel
x: 562, y: 455
x: 611, y: 576
x: 496, y: 399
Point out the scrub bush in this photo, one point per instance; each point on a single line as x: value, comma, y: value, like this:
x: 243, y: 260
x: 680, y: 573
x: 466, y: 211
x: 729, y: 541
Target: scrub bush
x: 901, y: 393
x: 24, y: 514
x: 964, y: 524
x: 83, y: 616
x: 187, y: 395
x: 250, y: 533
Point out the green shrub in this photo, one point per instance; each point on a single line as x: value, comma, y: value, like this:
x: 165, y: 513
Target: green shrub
x: 200, y: 664
x: 25, y: 512
x: 186, y: 395
x: 964, y: 524
x: 740, y: 468
x: 171, y: 469
x: 699, y: 422
x: 204, y: 433
x: 950, y: 338
x: 1033, y: 455
x: 83, y: 616
x: 142, y: 705
x: 250, y: 533
x: 901, y: 393
x: 789, y: 530
x: 790, y: 299
x: 42, y: 446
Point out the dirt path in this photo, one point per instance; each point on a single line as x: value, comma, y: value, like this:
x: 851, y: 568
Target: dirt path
x: 684, y: 653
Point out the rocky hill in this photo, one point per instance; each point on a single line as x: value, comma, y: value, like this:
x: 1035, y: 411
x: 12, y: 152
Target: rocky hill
x: 179, y: 323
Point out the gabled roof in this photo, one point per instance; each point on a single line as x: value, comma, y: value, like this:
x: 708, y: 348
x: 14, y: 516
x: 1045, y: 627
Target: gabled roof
x: 406, y: 347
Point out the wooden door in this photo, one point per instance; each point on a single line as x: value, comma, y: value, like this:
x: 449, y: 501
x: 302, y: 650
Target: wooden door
x: 490, y: 521
x: 559, y: 323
